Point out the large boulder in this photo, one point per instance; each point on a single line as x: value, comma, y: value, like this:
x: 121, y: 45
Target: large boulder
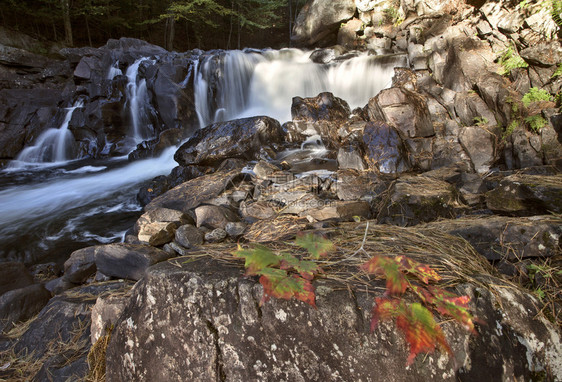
x: 206, y: 322
x: 13, y: 275
x: 318, y: 22
x: 21, y: 304
x: 241, y: 138
x: 322, y: 115
x: 480, y: 144
x: 127, y: 261
x: 384, y: 149
x: 406, y: 110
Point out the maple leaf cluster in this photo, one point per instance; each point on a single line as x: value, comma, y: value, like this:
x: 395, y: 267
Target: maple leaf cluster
x: 415, y: 320
x: 284, y: 275
x: 287, y: 276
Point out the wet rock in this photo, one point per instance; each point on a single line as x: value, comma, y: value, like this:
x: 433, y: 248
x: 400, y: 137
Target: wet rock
x: 80, y: 265
x: 21, y: 304
x: 384, y: 149
x: 189, y: 236
x: 523, y: 194
x: 215, y: 236
x: 194, y: 192
x: 263, y: 169
x: 157, y: 233
x: 127, y: 261
x: 226, y: 335
x: 241, y: 138
x: 415, y: 199
x: 13, y: 275
x: 479, y: 143
x: 155, y: 147
x: 322, y: 115
x: 350, y: 156
x: 235, y: 229
x: 501, y: 237
x: 407, y: 111
x: 211, y: 216
x: 318, y: 22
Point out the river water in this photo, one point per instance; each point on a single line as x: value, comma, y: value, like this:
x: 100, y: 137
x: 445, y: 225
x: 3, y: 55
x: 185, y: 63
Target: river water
x: 52, y: 204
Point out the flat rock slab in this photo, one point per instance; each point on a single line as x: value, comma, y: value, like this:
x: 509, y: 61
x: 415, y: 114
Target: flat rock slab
x: 206, y: 322
x: 524, y: 194
x: 127, y: 261
x: 194, y: 192
x: 502, y: 237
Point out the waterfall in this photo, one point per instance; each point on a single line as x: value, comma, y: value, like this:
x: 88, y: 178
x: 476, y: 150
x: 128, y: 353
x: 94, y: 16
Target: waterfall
x: 53, y: 145
x: 114, y: 71
x: 253, y: 83
x: 137, y: 99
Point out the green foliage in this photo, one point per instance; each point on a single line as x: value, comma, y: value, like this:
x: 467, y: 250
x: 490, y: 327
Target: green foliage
x: 510, y: 129
x: 415, y: 320
x: 535, y: 95
x: 510, y: 60
x: 284, y: 275
x: 536, y: 122
x: 392, y: 16
x: 481, y: 121
x: 558, y: 72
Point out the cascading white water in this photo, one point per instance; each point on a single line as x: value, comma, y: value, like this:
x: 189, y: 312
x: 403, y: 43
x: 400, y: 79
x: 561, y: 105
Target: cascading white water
x: 137, y: 98
x: 53, y: 145
x: 252, y: 83
x: 114, y: 71
x: 46, y: 208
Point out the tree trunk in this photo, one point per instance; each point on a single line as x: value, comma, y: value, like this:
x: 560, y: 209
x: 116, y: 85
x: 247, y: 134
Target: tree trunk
x: 290, y: 21
x: 88, y: 31
x: 170, y: 32
x: 67, y: 25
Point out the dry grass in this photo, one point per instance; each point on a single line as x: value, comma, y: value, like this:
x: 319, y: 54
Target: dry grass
x: 96, y: 358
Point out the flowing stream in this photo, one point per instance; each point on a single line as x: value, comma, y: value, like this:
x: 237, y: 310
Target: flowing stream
x: 52, y: 203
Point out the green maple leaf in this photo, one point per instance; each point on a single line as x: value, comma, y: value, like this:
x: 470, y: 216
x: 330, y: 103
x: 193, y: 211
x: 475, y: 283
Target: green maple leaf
x: 421, y: 331
x: 317, y: 246
x: 396, y: 283
x: 307, y: 269
x: 257, y: 259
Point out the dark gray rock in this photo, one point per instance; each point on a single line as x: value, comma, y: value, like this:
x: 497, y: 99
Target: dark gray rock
x: 80, y: 266
x: 226, y: 334
x: 235, y: 229
x: 215, y: 236
x: 546, y: 54
x: 384, y: 149
x: 480, y: 144
x: 415, y: 199
x: 501, y: 237
x: 523, y: 194
x: 241, y: 138
x: 211, y: 216
x: 13, y: 275
x: 160, y: 214
x: 59, y: 285
x: 471, y: 109
x: 189, y: 236
x: 21, y: 304
x: 322, y: 115
x: 127, y: 261
x: 194, y: 192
